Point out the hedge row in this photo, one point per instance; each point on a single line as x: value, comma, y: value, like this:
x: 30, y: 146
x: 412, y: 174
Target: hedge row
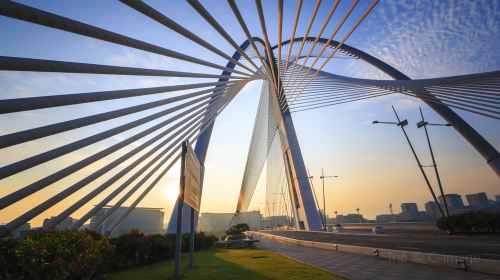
x: 136, y: 248
x: 472, y: 222
x: 85, y: 255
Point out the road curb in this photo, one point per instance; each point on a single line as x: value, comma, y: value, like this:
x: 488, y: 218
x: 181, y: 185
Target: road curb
x: 399, y: 256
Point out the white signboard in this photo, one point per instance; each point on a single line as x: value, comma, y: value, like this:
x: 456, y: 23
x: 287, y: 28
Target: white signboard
x: 192, y: 191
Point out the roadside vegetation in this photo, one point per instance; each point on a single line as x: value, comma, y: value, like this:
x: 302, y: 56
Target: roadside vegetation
x: 471, y: 223
x: 236, y: 229
x: 76, y: 254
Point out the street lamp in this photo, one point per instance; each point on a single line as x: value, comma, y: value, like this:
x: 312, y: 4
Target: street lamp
x: 309, y: 177
x: 323, y: 177
x: 284, y: 204
x: 424, y: 124
x: 402, y: 124
x: 266, y: 205
x: 392, y: 213
x: 359, y: 216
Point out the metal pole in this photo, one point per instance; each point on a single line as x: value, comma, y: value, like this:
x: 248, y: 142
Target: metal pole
x: 178, y: 236
x: 272, y: 218
x: 324, y: 201
x: 434, y: 164
x: 313, y: 191
x: 418, y: 162
x: 191, y: 240
x: 392, y: 213
x: 286, y: 209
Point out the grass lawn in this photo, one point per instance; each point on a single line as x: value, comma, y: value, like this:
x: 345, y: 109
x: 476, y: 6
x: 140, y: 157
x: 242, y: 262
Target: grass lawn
x: 229, y: 264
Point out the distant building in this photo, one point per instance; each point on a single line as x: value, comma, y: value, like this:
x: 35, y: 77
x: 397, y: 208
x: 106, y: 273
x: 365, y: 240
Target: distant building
x: 253, y: 219
x: 386, y: 218
x: 432, y: 210
x: 220, y: 222
x: 478, y: 200
x: 454, y: 201
x: 147, y: 220
x: 410, y: 210
x: 276, y: 221
x: 214, y: 222
x: 18, y: 232
x: 64, y: 224
x: 497, y: 197
x: 423, y: 217
x: 349, y: 218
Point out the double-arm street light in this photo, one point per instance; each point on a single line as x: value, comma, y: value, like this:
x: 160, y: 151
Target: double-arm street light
x: 323, y: 177
x: 402, y: 124
x: 424, y: 124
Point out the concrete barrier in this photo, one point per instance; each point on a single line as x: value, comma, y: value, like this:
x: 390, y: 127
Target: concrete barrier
x: 425, y: 226
x: 399, y: 256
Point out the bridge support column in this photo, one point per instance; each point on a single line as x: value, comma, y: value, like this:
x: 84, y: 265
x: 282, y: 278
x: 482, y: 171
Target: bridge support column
x: 303, y: 206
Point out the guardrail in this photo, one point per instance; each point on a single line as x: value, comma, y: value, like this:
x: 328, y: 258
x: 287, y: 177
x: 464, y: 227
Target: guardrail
x: 399, y: 256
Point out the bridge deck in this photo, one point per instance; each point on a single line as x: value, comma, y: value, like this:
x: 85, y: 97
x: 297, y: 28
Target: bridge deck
x: 481, y: 247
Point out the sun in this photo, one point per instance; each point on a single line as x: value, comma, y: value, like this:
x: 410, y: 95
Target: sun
x: 172, y: 192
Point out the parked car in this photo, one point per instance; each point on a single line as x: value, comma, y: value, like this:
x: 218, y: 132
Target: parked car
x: 378, y: 230
x: 338, y: 228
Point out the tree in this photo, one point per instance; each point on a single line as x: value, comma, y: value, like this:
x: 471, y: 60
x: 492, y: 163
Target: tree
x: 237, y: 229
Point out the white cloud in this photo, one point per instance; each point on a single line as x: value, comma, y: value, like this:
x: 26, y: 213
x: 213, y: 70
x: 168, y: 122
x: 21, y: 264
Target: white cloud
x: 426, y: 39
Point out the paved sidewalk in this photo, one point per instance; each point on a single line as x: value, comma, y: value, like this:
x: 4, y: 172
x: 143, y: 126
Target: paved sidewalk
x: 352, y: 266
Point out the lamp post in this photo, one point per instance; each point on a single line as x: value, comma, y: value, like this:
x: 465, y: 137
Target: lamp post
x: 314, y: 193
x: 402, y: 124
x: 284, y: 206
x: 266, y: 206
x: 359, y: 216
x: 392, y: 213
x: 323, y: 177
x: 424, y: 124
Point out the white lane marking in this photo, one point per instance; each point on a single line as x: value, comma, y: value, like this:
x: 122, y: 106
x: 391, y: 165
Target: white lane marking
x: 411, y: 248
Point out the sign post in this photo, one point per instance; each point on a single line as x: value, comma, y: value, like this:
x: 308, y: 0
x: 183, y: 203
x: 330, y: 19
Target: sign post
x: 189, y: 193
x: 192, y: 195
x: 178, y: 236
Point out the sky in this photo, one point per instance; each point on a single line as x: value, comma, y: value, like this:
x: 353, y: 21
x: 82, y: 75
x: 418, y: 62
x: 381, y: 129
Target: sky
x: 423, y: 39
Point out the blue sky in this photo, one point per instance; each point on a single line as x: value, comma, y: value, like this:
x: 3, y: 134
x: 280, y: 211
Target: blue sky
x: 423, y: 39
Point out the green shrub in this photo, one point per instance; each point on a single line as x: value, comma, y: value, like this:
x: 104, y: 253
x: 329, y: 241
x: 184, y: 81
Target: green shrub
x: 54, y: 255
x: 77, y: 254
x: 135, y: 248
x: 472, y: 222
x: 237, y: 229
x: 203, y: 241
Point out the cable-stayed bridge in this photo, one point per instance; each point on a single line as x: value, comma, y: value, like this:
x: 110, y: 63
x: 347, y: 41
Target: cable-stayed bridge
x: 293, y: 80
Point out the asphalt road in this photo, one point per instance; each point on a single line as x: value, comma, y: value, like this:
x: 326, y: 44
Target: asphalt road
x: 466, y: 246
